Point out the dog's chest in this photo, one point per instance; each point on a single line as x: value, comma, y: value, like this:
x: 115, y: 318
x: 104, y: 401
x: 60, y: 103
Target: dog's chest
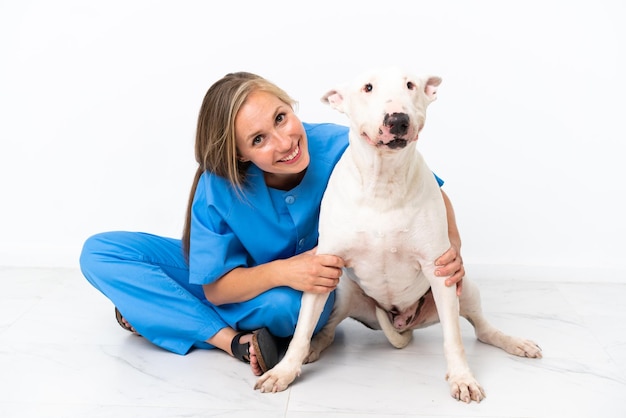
x: 384, y: 255
x: 386, y: 232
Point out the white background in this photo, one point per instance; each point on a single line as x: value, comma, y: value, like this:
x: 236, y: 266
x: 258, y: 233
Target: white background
x: 99, y: 99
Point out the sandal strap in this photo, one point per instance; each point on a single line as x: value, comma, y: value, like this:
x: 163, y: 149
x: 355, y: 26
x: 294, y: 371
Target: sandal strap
x: 240, y: 351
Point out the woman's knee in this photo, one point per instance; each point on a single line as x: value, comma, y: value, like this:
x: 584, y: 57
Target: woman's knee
x: 281, y: 307
x: 100, y: 247
x: 103, y: 251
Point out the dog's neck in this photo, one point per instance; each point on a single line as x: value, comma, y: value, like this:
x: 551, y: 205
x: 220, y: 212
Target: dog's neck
x: 385, y: 174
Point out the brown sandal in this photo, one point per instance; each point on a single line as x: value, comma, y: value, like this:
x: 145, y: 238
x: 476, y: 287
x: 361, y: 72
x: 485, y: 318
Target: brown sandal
x: 265, y: 348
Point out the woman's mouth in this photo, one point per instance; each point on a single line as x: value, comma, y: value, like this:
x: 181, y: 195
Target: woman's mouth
x: 291, y: 157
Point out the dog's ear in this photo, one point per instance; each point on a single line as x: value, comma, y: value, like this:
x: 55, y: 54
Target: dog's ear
x: 431, y: 83
x: 334, y: 99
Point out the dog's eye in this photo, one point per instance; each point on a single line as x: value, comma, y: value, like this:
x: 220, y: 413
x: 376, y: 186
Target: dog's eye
x: 410, y: 85
x: 368, y: 87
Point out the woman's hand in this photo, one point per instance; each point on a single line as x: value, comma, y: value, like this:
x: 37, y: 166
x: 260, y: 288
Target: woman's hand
x: 313, y: 273
x: 451, y: 264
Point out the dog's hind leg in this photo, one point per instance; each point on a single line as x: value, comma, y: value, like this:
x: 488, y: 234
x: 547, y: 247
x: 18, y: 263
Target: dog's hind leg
x: 470, y: 309
x: 323, y: 339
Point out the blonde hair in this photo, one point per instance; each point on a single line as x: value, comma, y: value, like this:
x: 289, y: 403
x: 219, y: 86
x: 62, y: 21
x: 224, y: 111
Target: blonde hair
x: 215, y: 146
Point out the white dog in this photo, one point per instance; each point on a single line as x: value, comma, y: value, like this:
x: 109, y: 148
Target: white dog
x: 384, y: 214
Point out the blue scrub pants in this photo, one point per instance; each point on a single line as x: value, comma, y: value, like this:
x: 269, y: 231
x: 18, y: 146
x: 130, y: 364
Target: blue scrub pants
x: 147, y: 278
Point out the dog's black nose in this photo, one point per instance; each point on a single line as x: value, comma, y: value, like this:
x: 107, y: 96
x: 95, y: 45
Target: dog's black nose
x: 398, y: 123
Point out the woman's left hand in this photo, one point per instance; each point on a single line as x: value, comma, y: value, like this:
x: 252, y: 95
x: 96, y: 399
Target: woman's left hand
x: 451, y: 264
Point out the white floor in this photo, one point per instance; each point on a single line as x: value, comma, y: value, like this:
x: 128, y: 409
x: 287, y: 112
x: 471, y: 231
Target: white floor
x: 63, y: 355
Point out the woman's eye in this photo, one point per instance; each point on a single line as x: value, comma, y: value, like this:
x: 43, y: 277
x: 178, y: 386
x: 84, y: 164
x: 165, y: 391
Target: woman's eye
x: 280, y: 117
x: 257, y: 140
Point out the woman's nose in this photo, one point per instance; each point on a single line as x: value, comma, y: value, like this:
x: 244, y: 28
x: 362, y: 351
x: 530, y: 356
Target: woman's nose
x: 283, y: 141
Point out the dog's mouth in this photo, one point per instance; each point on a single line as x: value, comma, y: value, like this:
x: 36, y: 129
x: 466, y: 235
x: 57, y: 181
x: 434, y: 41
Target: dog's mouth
x: 396, y: 143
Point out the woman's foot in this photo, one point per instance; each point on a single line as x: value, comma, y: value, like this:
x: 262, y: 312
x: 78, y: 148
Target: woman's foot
x: 254, y: 362
x: 124, y: 323
x: 259, y: 348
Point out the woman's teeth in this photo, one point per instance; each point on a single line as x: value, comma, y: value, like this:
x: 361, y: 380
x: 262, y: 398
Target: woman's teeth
x: 292, y: 156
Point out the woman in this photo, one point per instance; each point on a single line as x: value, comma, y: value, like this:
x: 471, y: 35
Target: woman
x: 235, y: 279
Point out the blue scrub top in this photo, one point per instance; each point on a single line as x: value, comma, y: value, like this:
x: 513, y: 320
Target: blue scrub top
x: 268, y: 224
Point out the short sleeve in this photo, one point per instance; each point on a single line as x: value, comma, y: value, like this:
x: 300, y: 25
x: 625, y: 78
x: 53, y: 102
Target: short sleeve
x: 214, y: 248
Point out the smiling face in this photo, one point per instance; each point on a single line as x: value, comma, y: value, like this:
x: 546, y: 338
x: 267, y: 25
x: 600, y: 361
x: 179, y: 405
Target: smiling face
x: 271, y: 136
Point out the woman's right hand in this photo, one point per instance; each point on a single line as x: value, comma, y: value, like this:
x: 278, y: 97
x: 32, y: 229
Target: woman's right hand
x: 312, y: 272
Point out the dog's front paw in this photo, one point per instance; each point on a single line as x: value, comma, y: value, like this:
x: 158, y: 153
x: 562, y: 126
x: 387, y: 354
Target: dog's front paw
x: 465, y: 388
x: 277, y: 379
